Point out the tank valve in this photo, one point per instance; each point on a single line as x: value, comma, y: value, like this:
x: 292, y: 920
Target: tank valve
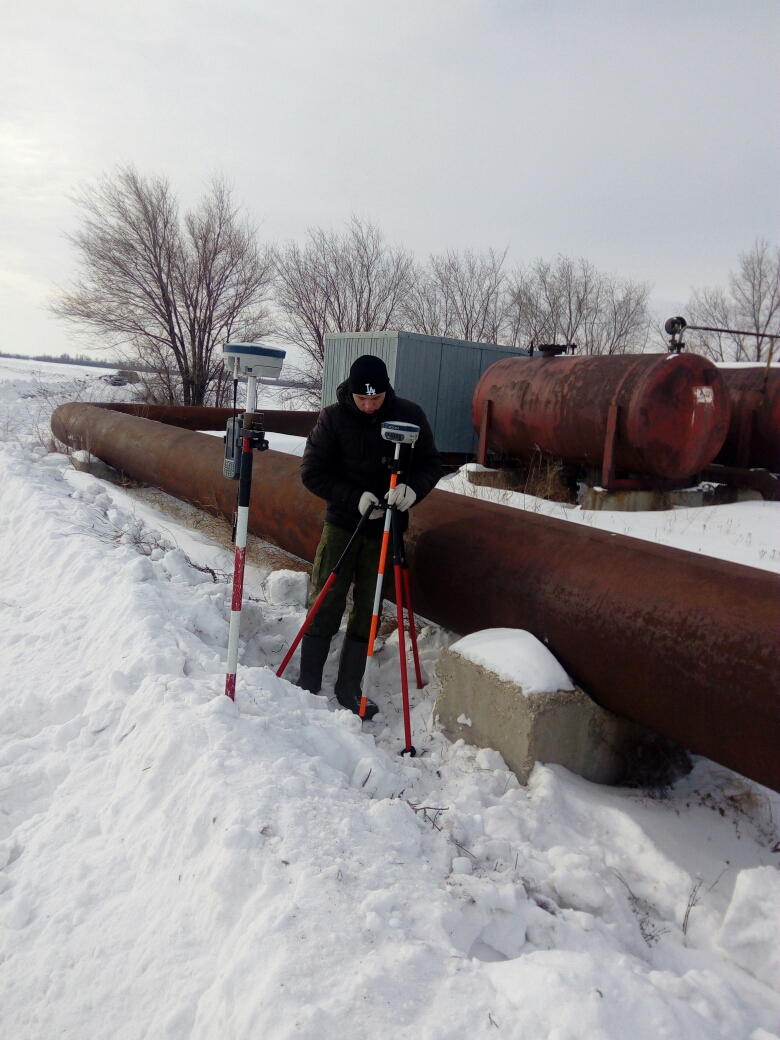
x: 674, y: 329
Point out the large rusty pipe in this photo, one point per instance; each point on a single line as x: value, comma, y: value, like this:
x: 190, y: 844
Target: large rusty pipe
x: 673, y: 410
x: 682, y: 643
x: 277, y: 420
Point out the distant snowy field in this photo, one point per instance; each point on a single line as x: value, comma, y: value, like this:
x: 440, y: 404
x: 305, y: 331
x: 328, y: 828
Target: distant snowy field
x: 173, y: 865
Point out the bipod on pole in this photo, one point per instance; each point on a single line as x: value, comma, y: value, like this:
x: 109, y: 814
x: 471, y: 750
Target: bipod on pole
x: 399, y: 602
x: 324, y: 592
x: 242, y: 435
x: 410, y: 613
x: 253, y: 436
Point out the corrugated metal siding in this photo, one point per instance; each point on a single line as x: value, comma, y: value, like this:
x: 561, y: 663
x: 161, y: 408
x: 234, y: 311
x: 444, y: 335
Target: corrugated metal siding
x: 417, y: 372
x: 342, y: 348
x: 460, y: 365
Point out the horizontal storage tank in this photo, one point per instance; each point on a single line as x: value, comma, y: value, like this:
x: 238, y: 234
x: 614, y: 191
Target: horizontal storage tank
x: 745, y: 384
x: 672, y: 421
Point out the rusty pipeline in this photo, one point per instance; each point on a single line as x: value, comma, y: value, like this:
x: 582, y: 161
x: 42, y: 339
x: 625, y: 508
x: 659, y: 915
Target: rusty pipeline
x: 672, y: 410
x: 682, y: 643
x: 277, y: 420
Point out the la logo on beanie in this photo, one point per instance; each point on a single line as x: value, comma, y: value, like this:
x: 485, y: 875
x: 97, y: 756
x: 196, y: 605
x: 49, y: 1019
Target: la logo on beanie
x: 368, y: 376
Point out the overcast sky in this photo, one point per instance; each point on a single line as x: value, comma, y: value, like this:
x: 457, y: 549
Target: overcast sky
x: 641, y: 135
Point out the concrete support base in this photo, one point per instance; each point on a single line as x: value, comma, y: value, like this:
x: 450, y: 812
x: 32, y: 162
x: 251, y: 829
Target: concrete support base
x: 653, y: 501
x: 566, y: 727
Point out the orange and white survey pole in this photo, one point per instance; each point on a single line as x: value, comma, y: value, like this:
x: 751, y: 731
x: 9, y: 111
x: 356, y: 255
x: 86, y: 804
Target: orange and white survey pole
x: 398, y: 433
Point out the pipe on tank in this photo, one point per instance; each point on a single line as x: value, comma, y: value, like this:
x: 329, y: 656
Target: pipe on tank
x: 682, y: 643
x: 753, y: 438
x: 673, y: 410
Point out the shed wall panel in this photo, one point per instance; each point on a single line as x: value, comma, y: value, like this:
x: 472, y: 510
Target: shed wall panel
x: 459, y: 376
x: 417, y: 372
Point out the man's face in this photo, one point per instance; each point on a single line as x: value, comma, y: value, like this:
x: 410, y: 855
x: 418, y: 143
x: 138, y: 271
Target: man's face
x: 369, y: 403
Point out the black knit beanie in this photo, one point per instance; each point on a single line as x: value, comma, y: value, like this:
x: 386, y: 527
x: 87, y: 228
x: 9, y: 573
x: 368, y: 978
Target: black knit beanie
x: 368, y: 376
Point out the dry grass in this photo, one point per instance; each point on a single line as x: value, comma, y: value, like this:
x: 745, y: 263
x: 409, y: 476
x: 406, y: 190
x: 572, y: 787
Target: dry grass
x: 539, y: 477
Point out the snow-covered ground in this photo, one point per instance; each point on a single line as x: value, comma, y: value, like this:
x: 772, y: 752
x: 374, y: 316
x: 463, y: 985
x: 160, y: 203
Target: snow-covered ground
x: 174, y: 865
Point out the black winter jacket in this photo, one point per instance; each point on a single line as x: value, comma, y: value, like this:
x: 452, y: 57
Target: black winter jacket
x: 346, y: 455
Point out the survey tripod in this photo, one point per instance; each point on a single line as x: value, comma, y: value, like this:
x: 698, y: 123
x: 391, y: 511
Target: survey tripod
x: 397, y: 433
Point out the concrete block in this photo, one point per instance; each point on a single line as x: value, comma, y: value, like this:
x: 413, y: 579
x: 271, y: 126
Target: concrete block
x: 656, y: 500
x: 565, y: 727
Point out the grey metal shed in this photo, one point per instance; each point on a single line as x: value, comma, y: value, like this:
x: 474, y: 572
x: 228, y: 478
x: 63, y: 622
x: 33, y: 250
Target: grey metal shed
x: 436, y: 372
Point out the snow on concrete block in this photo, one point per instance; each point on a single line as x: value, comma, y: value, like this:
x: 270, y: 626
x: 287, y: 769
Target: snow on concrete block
x: 287, y: 587
x: 503, y: 689
x: 515, y: 656
x: 750, y: 933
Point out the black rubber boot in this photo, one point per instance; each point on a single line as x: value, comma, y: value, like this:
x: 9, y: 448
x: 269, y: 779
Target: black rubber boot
x: 314, y: 654
x: 352, y: 665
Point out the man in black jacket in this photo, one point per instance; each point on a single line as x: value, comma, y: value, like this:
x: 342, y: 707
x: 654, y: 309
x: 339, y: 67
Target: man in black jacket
x: 345, y: 462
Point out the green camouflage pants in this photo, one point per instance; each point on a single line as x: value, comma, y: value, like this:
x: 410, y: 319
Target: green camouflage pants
x: 360, y: 566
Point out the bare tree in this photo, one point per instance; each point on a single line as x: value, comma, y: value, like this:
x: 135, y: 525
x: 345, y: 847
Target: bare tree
x: 350, y: 281
x: 163, y: 289
x: 751, y: 303
x: 570, y: 301
x: 462, y: 295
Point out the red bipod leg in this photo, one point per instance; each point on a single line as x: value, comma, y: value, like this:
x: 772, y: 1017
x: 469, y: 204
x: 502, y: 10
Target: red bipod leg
x: 412, y: 630
x: 309, y: 618
x: 399, y: 599
x: 323, y: 593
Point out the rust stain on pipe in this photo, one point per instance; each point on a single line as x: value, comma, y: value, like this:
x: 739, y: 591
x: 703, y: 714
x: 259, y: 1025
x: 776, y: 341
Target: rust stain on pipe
x: 682, y: 643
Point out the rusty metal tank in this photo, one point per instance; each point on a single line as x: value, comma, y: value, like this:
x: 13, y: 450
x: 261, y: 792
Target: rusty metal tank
x: 673, y: 410
x: 753, y: 439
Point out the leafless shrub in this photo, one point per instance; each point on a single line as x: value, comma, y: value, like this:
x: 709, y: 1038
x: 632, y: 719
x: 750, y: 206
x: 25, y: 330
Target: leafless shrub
x: 462, y: 295
x: 693, y: 899
x: 645, y: 914
x: 751, y: 302
x: 164, y: 288
x: 434, y: 810
x: 570, y: 301
x: 744, y: 804
x: 350, y: 281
